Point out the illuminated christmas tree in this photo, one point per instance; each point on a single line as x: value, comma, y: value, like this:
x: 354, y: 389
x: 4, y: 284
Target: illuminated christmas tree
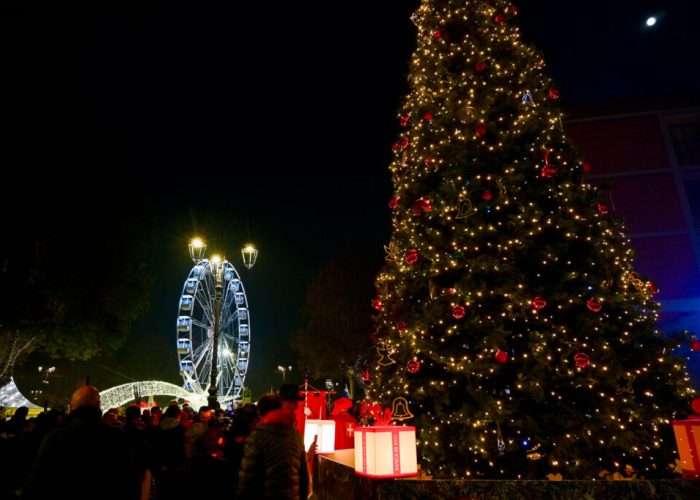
x: 510, y: 318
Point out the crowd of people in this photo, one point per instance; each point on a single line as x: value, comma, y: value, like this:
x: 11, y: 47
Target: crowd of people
x: 174, y: 452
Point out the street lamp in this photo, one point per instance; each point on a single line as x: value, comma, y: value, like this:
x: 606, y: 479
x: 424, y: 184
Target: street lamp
x: 284, y: 370
x: 249, y: 254
x: 197, y: 249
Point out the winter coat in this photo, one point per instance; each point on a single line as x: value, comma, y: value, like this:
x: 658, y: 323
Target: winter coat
x: 274, y: 461
x: 84, y: 458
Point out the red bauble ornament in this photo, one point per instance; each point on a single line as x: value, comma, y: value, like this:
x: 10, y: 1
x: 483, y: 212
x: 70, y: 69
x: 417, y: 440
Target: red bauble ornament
x: 501, y: 356
x: 421, y: 205
x: 594, y: 305
x: 394, y: 202
x: 480, y: 130
x: 452, y: 291
x: 458, y: 312
x: 695, y: 405
x: 499, y: 19
x: 428, y: 160
x: 404, y: 143
x: 413, y: 366
x: 512, y: 10
x: 651, y: 287
x: 602, y: 209
x: 437, y: 34
x: 480, y: 66
x: 427, y: 116
x: 411, y: 256
x: 538, y: 302
x: 394, y: 147
x: 581, y: 360
x: 366, y: 376
x: 487, y: 195
x: 695, y: 345
x: 586, y: 167
x: 401, y: 326
x: 377, y: 303
x: 548, y: 172
x: 553, y: 93
x: 405, y: 120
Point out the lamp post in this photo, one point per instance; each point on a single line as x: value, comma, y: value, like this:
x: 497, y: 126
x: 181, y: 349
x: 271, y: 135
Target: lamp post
x: 284, y: 370
x: 197, y: 250
x: 213, y: 385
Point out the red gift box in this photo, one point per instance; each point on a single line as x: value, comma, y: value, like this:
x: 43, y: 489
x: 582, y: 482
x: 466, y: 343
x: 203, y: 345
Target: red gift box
x: 688, y: 441
x: 385, y: 451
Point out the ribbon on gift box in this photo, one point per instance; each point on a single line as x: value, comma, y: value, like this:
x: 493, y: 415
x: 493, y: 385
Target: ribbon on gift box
x: 383, y: 417
x: 375, y: 412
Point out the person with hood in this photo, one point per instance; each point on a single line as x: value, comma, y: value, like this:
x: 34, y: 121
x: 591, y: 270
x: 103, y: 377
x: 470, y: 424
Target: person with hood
x: 274, y: 460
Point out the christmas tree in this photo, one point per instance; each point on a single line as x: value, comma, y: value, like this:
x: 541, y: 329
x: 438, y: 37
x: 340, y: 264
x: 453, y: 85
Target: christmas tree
x: 512, y: 329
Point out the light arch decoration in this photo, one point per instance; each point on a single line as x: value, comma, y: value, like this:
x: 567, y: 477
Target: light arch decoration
x: 117, y: 396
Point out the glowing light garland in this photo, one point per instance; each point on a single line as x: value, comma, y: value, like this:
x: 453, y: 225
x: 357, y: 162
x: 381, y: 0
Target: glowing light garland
x: 120, y: 395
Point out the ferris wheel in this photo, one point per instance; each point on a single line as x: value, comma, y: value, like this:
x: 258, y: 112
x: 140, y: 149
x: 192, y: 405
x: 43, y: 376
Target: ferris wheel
x: 213, y: 326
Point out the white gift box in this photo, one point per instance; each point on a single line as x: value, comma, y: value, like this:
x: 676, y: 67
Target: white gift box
x: 385, y: 451
x: 325, y: 430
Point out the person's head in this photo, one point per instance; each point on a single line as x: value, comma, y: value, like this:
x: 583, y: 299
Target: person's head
x: 267, y: 403
x: 85, y: 396
x: 132, y: 413
x: 21, y: 413
x: 289, y: 394
x: 204, y: 414
x: 172, y: 411
x: 342, y: 405
x: 111, y: 416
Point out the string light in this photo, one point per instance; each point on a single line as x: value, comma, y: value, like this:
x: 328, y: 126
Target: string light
x: 120, y: 395
x: 484, y: 118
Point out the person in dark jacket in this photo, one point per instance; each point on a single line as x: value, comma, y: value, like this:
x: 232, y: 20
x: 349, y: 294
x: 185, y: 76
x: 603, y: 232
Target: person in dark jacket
x: 84, y: 458
x: 274, y: 461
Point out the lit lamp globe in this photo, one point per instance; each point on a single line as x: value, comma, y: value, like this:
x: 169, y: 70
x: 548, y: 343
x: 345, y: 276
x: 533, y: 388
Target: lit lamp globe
x: 249, y: 254
x: 197, y: 249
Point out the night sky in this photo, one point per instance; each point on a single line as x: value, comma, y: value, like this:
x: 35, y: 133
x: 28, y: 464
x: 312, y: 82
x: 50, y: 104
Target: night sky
x: 268, y: 121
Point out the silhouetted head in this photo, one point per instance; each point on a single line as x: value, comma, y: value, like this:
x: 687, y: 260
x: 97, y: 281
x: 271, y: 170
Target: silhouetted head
x: 86, y: 395
x: 132, y: 412
x: 267, y: 403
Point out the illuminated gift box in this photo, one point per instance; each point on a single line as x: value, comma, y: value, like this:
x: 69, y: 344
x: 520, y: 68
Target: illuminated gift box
x: 325, y: 430
x: 385, y: 451
x: 688, y: 440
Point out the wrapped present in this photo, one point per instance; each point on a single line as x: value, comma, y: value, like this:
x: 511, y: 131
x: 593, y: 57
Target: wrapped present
x: 688, y: 441
x: 325, y: 430
x: 384, y: 451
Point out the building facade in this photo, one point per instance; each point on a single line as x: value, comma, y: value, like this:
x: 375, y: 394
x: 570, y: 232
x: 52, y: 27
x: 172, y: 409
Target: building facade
x: 648, y: 159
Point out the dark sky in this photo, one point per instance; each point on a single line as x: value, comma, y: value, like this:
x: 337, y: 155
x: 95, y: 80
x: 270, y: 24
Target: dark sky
x: 272, y: 121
